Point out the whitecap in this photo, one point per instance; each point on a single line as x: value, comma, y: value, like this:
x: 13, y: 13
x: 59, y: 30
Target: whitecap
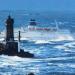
x: 41, y: 42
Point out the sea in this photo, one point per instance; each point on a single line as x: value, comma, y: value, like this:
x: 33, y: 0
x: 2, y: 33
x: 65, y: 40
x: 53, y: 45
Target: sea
x: 51, y: 57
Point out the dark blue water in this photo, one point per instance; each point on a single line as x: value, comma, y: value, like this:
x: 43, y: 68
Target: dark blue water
x: 51, y: 58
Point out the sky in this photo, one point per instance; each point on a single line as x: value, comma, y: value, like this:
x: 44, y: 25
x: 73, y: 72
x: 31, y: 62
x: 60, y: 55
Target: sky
x: 38, y: 5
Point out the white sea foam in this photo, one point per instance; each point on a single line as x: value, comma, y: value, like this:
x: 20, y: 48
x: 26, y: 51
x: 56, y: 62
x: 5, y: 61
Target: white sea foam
x: 42, y: 41
x: 59, y: 47
x: 60, y: 58
x: 63, y: 37
x: 71, y: 44
x: 71, y: 65
x: 49, y: 40
x: 41, y: 37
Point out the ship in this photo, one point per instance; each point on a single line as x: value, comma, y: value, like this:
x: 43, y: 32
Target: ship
x: 43, y: 34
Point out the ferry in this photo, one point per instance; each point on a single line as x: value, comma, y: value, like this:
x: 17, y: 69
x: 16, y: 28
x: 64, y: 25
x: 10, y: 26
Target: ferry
x: 35, y: 33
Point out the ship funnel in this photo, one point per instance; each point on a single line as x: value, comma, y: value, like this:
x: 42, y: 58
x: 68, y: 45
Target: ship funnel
x: 32, y: 22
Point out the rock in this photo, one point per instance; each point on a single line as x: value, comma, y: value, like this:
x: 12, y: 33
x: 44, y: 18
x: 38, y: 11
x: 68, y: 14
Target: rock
x: 25, y: 54
x: 31, y: 74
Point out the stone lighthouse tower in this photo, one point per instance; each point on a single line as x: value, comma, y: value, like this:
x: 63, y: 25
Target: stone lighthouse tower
x: 9, y: 29
x: 11, y: 45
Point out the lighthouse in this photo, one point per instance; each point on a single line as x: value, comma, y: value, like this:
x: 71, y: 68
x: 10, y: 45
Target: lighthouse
x: 9, y: 29
x: 11, y: 44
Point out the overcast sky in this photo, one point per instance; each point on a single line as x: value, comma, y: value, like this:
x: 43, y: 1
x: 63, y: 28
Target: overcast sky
x: 38, y: 5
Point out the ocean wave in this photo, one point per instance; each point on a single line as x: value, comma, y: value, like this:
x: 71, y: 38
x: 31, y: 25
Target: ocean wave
x: 42, y: 41
x: 70, y: 46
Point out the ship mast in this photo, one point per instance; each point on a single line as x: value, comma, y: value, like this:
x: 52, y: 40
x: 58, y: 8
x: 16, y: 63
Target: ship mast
x: 57, y: 27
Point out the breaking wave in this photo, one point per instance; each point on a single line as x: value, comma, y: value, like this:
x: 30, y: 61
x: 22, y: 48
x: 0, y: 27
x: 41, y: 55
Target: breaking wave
x: 50, y: 41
